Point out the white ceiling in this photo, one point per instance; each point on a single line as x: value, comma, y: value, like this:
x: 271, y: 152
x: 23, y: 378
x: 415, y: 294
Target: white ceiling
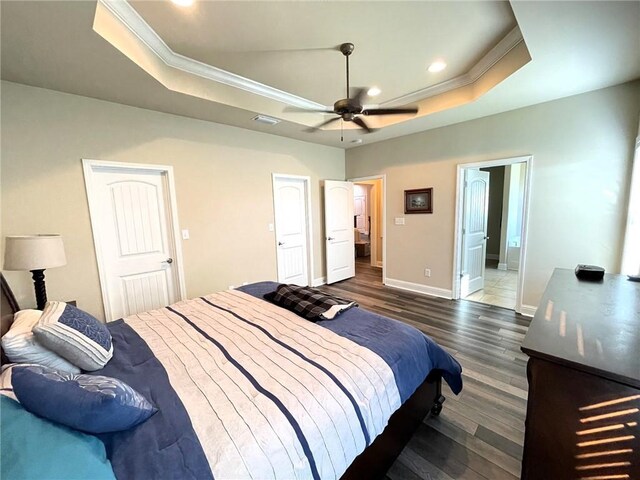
x: 291, y: 46
x: 574, y: 47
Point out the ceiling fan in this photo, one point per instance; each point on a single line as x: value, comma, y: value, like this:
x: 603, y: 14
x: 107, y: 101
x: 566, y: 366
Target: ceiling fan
x: 351, y: 109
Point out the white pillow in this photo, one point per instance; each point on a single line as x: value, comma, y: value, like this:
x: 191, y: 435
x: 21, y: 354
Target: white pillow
x: 6, y: 387
x: 20, y: 345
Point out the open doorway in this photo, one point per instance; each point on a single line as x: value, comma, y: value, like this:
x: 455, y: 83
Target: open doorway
x: 491, y: 234
x: 368, y: 224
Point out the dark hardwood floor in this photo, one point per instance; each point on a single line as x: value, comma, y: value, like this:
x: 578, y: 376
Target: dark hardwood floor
x: 480, y: 432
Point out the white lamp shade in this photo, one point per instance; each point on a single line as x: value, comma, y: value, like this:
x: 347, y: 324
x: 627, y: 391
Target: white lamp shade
x: 33, y: 252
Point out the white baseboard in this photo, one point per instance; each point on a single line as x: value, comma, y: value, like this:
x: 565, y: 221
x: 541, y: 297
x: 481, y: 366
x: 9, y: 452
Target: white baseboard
x: 418, y: 288
x: 502, y: 266
x: 528, y: 310
x: 319, y: 281
x: 493, y: 256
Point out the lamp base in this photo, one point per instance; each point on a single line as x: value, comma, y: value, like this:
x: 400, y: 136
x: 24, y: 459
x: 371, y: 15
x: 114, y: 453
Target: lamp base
x: 38, y: 285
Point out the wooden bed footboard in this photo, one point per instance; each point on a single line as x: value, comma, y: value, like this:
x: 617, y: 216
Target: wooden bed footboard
x: 376, y: 460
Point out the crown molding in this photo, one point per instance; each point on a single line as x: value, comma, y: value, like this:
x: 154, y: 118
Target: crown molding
x: 141, y: 29
x: 502, y: 48
x: 129, y: 18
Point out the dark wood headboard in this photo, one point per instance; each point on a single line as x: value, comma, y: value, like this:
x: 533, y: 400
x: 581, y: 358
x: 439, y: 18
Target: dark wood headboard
x: 8, y: 306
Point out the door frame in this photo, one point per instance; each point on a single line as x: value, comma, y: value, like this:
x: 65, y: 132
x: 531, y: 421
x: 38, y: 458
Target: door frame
x: 457, y: 246
x: 89, y: 166
x: 382, y: 177
x: 309, y: 220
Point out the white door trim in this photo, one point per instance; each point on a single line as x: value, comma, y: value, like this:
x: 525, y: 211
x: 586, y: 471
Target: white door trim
x: 457, y: 247
x: 307, y: 187
x: 382, y: 177
x: 88, y: 167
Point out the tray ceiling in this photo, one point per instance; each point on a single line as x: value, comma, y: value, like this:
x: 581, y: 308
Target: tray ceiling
x: 122, y: 26
x: 292, y: 45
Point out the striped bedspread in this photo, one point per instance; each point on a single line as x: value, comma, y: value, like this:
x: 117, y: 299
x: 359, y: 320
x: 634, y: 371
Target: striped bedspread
x: 245, y: 390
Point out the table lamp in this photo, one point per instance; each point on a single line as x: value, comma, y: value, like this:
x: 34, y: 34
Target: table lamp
x: 34, y: 253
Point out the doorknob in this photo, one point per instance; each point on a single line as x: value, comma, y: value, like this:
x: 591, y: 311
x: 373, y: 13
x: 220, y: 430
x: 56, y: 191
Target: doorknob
x: 487, y: 238
x: 330, y: 238
x: 280, y: 244
x: 169, y: 260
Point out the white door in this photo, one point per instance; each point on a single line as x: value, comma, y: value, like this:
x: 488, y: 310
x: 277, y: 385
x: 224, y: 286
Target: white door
x: 338, y: 218
x: 360, y: 210
x: 474, y: 233
x: 290, y: 207
x: 132, y: 223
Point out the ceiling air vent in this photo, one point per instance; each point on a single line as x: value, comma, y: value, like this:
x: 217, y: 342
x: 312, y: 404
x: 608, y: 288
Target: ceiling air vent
x: 266, y: 120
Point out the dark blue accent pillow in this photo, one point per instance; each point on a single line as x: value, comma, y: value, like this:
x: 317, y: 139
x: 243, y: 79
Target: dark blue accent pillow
x: 89, y: 403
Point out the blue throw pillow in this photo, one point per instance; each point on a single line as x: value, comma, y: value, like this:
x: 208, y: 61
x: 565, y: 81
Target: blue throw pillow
x: 90, y: 403
x: 33, y: 447
x: 75, y: 335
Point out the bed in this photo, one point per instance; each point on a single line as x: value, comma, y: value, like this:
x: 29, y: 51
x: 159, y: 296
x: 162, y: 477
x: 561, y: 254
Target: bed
x: 246, y: 389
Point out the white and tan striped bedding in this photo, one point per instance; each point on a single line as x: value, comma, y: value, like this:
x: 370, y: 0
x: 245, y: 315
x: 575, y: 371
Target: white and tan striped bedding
x: 270, y: 395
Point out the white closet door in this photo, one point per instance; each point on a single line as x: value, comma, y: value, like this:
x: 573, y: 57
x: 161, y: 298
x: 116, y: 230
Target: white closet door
x: 130, y: 215
x: 290, y: 206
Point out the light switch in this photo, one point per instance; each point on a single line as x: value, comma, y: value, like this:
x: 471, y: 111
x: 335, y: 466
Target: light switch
x: 185, y: 234
x: 399, y: 220
x: 271, y: 227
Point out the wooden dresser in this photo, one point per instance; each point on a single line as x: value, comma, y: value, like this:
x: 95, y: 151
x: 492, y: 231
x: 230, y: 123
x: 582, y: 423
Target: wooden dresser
x: 583, y: 411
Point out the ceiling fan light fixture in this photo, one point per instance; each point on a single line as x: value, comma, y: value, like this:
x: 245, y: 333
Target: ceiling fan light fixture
x: 374, y: 92
x: 182, y: 3
x: 437, y: 66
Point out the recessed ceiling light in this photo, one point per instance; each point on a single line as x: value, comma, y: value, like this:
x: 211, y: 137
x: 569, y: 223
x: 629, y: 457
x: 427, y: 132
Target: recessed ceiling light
x: 373, y: 92
x: 183, y: 3
x: 356, y: 140
x: 437, y: 66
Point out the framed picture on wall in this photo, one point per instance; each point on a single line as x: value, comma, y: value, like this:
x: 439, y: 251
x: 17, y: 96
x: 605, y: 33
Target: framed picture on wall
x: 419, y: 200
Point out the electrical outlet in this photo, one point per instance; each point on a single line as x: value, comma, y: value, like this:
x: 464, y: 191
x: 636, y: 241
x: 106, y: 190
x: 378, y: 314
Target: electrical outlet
x: 427, y: 272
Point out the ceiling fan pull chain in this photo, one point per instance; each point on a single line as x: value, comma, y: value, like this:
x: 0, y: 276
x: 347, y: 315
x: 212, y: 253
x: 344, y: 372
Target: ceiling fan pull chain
x: 342, y: 129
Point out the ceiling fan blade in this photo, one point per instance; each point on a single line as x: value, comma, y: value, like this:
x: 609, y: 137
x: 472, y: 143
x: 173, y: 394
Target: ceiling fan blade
x: 390, y: 111
x: 306, y: 110
x: 323, y: 124
x: 358, y: 95
x: 361, y: 123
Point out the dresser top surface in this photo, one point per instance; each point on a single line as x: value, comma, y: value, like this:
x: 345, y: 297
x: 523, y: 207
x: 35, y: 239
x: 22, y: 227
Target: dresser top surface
x: 591, y: 326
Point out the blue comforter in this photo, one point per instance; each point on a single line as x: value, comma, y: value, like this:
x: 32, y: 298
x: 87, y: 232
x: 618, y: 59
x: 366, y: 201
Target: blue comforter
x: 280, y: 366
x: 410, y: 354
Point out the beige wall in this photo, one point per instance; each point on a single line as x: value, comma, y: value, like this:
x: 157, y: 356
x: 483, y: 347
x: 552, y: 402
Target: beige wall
x: 223, y: 183
x: 582, y: 149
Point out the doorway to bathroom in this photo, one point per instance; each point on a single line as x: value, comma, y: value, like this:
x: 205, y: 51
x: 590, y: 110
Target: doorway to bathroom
x: 368, y: 224
x: 491, y: 231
